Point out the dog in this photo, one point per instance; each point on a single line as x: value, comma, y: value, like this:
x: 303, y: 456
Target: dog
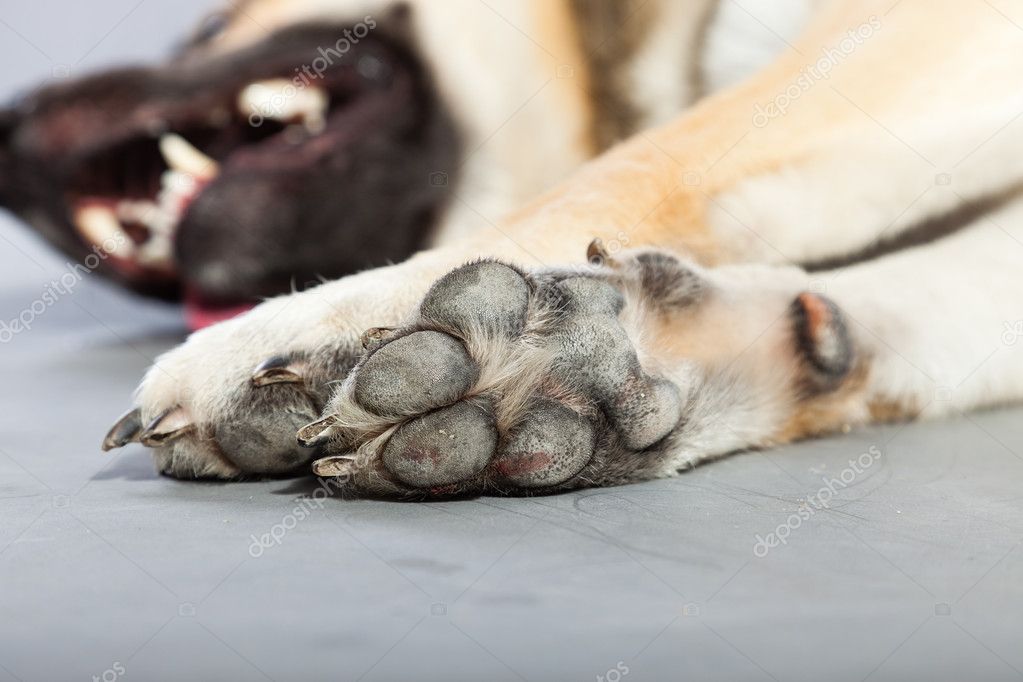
x: 830, y: 242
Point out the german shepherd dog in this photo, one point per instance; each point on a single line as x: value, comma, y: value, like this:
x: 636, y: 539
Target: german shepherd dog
x: 659, y: 232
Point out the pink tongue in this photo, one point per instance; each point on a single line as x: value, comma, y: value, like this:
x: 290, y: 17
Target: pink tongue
x: 199, y: 313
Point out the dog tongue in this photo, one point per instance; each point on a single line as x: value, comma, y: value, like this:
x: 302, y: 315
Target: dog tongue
x: 200, y: 313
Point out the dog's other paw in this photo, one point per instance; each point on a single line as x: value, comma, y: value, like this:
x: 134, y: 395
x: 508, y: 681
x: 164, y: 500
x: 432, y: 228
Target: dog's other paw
x: 504, y: 382
x: 228, y: 402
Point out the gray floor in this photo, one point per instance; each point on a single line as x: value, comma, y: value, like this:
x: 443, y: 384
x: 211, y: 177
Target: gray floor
x: 913, y: 571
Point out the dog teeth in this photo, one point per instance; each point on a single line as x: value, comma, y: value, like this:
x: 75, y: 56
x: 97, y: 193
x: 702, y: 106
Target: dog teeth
x: 281, y: 100
x: 158, y: 247
x: 100, y: 226
x: 103, y: 226
x: 135, y: 211
x: 182, y: 156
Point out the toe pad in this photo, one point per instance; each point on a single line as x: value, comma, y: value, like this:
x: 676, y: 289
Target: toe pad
x: 487, y: 296
x: 551, y: 446
x: 444, y: 447
x: 415, y: 373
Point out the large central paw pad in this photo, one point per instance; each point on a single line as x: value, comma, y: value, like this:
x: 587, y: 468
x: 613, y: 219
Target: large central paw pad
x: 502, y: 382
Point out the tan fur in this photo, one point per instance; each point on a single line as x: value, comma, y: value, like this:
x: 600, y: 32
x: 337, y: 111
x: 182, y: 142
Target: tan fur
x: 567, y: 61
x: 820, y: 415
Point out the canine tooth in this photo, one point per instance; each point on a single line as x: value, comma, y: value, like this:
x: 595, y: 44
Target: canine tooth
x: 177, y: 183
x: 282, y: 100
x: 182, y: 156
x: 135, y: 211
x: 99, y: 224
x: 157, y: 252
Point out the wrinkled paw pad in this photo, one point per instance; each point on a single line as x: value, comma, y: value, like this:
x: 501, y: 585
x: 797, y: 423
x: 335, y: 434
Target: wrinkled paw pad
x: 597, y: 354
x: 460, y: 443
x: 486, y: 297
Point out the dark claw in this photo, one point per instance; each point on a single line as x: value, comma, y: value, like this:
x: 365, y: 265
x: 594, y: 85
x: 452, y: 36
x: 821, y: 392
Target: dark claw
x: 124, y: 431
x: 597, y: 253
x: 167, y: 427
x: 823, y: 341
x: 375, y: 335
x: 278, y: 370
x: 316, y: 434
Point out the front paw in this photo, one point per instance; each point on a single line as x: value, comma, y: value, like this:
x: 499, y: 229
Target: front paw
x: 227, y: 403
x: 504, y: 382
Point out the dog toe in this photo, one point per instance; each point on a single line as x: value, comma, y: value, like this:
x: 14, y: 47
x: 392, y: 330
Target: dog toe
x: 488, y: 296
x: 444, y: 447
x: 550, y: 446
x: 415, y: 373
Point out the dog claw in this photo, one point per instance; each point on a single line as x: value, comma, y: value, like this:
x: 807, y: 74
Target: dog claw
x: 278, y: 370
x: 338, y: 465
x: 124, y: 431
x: 375, y: 335
x: 597, y: 253
x: 166, y: 428
x: 316, y: 434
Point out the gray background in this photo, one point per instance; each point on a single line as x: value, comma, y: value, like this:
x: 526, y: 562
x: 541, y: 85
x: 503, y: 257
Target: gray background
x: 915, y: 571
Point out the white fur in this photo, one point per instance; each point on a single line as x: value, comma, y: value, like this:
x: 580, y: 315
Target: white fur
x: 936, y: 319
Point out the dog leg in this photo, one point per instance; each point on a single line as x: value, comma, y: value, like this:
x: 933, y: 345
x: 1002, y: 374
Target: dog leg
x: 937, y: 326
x: 520, y: 383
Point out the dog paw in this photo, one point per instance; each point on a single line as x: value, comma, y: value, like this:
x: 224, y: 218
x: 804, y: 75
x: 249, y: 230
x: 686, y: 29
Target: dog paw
x: 227, y: 402
x: 504, y: 382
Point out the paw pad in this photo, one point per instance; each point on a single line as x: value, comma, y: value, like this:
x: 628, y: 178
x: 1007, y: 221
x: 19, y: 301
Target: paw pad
x: 550, y: 446
x: 450, y: 415
x: 487, y: 296
x: 415, y: 373
x: 444, y: 447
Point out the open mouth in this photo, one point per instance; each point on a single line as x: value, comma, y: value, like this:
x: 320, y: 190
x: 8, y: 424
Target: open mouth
x: 129, y: 198
x: 224, y: 179
x: 134, y: 220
